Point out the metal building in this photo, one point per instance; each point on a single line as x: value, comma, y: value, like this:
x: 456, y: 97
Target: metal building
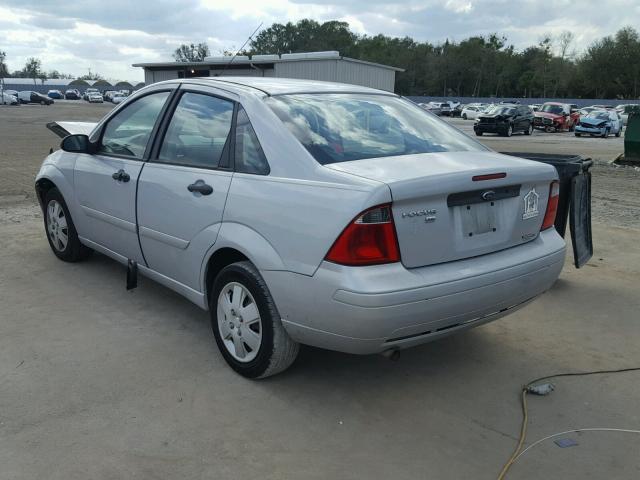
x: 329, y: 66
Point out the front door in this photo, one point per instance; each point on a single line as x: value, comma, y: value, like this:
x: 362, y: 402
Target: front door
x: 105, y: 182
x: 183, y: 187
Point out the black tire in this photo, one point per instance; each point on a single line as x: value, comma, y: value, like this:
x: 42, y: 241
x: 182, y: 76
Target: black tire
x: 74, y: 251
x: 277, y: 351
x: 619, y: 132
x: 606, y: 133
x: 529, y: 129
x: 578, y: 134
x: 479, y: 134
x: 508, y: 132
x: 464, y: 116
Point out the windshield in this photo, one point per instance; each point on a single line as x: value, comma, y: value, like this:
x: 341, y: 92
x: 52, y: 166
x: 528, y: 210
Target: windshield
x: 344, y: 127
x: 501, y: 111
x: 555, y: 109
x: 600, y: 115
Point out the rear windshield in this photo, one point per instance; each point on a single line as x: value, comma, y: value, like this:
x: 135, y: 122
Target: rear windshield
x: 344, y: 127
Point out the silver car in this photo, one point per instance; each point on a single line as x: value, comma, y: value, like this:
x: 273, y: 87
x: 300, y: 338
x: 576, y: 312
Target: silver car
x: 303, y: 212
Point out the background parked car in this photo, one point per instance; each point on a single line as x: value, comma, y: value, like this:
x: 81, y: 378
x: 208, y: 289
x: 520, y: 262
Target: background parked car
x: 431, y: 107
x: 556, y: 117
x: 504, y: 120
x: 8, y: 99
x: 535, y: 107
x: 55, y: 94
x: 94, y: 97
x: 118, y: 98
x: 85, y: 95
x: 624, y: 110
x: 471, y: 112
x: 34, y: 97
x: 72, y: 94
x: 601, y: 123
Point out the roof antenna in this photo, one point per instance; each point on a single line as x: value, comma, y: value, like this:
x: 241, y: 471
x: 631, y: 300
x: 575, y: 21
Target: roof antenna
x: 240, y: 49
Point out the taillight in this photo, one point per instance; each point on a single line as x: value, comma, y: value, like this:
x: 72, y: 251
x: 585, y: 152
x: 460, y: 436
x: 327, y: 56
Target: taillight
x: 552, y: 206
x: 370, y: 239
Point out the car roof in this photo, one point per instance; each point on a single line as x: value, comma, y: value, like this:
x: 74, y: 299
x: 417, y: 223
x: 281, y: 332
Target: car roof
x: 281, y: 86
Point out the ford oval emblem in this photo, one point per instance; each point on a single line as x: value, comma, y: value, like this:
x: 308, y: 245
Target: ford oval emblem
x: 488, y: 195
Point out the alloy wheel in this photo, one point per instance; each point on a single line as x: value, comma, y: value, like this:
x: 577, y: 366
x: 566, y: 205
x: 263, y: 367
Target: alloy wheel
x: 239, y: 322
x: 57, y: 227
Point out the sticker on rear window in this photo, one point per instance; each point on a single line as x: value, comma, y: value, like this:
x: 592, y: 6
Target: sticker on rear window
x: 531, y: 204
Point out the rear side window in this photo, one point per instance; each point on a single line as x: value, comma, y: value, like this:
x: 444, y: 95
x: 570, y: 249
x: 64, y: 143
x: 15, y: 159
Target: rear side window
x: 128, y: 132
x: 249, y: 157
x: 198, y: 131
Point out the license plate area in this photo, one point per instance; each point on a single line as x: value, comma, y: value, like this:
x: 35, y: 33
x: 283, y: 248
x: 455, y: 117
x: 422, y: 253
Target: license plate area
x: 479, y: 218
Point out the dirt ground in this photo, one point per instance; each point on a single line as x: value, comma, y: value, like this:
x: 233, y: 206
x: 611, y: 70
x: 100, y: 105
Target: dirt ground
x: 100, y: 383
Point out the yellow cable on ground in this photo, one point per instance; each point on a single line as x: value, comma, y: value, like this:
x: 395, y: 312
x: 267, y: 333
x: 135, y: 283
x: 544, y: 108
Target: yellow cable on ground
x: 523, y: 434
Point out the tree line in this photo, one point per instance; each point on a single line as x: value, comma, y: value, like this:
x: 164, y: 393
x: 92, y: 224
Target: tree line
x: 33, y: 69
x: 481, y: 66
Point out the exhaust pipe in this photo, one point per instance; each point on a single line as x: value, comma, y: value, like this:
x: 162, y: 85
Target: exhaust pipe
x: 392, y: 354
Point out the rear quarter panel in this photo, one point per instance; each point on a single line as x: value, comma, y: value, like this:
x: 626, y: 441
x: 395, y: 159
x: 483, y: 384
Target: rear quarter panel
x: 299, y: 219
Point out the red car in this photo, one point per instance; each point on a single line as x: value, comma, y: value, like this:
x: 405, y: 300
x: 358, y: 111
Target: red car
x: 556, y: 117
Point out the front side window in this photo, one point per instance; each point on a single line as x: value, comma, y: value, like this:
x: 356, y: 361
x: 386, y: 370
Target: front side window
x: 344, y: 127
x: 128, y: 132
x: 198, y: 131
x: 249, y: 155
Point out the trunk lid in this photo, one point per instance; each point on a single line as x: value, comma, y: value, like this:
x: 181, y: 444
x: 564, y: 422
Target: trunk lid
x: 442, y: 214
x: 62, y: 129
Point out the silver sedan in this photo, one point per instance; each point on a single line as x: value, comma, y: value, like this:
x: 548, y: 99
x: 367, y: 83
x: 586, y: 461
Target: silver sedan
x: 302, y: 212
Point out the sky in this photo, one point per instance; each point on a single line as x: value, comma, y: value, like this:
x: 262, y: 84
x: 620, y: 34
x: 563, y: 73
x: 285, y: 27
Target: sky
x: 107, y: 36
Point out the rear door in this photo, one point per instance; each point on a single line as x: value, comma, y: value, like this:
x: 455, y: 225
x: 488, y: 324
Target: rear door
x: 183, y: 188
x: 105, y: 183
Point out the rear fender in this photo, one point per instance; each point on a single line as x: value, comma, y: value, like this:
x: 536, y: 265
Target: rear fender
x: 248, y: 242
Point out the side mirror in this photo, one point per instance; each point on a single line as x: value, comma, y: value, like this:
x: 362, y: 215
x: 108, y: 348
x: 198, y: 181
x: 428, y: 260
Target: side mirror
x: 77, y: 143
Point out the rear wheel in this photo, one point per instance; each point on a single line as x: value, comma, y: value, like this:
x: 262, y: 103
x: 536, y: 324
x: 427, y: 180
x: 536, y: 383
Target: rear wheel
x: 246, y: 323
x: 529, y: 130
x: 61, y: 232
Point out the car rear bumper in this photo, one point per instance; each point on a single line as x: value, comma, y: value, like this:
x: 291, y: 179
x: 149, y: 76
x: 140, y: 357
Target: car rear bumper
x: 373, y: 309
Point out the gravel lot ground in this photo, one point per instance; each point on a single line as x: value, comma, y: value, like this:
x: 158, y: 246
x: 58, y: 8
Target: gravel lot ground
x: 100, y: 383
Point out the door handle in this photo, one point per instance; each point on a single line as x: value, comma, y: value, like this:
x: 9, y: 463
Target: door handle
x: 121, y: 176
x: 200, y: 187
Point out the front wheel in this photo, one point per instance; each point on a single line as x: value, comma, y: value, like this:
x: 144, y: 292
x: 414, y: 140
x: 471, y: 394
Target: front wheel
x: 619, y: 132
x: 61, y: 232
x: 529, y: 130
x: 509, y: 131
x: 464, y: 116
x: 246, y: 323
x: 605, y: 134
